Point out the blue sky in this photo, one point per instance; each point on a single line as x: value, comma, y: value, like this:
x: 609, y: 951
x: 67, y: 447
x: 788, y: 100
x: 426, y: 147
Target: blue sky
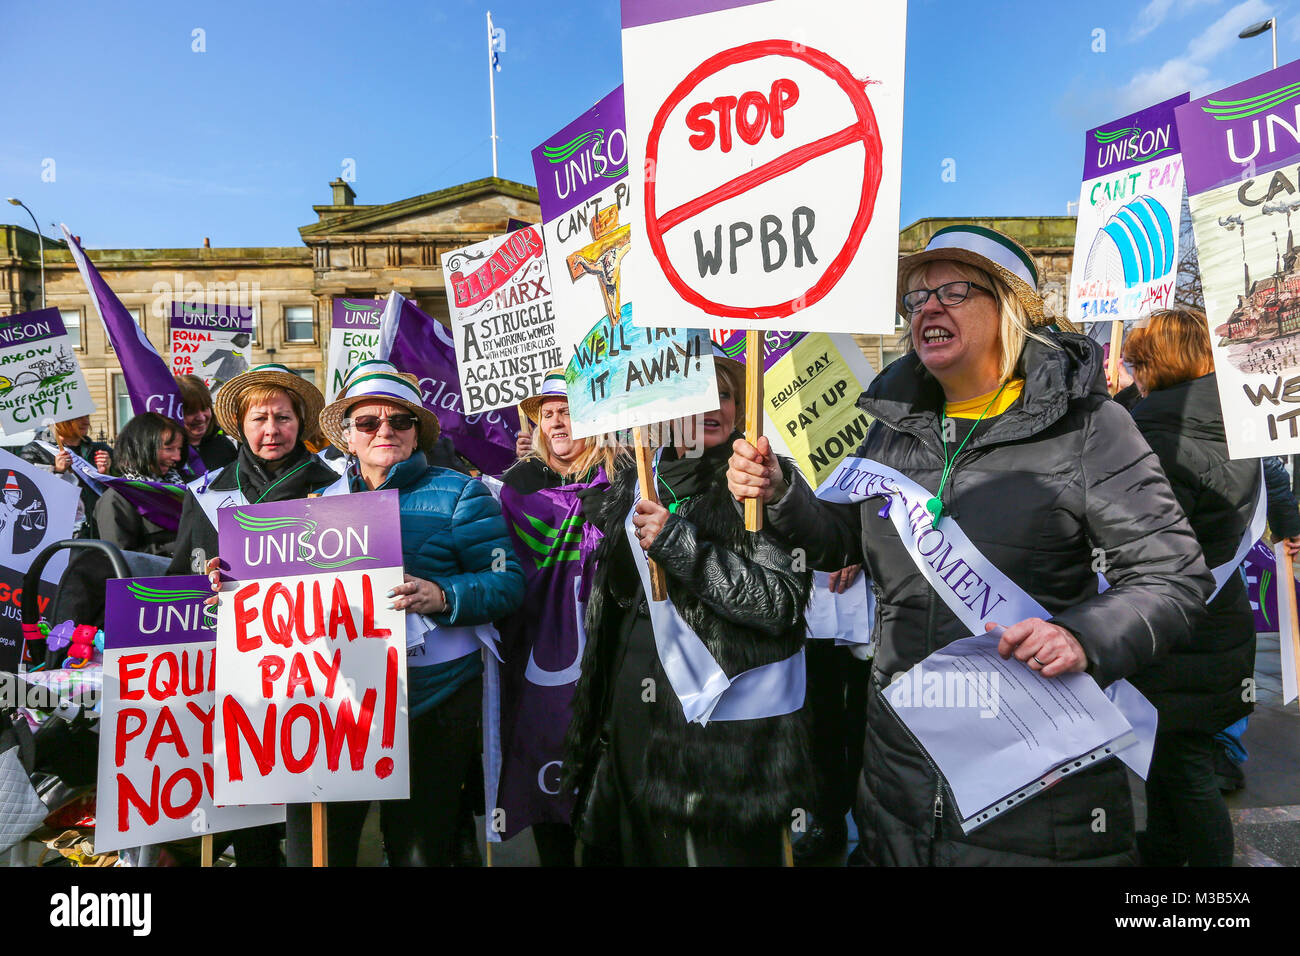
x: 155, y: 145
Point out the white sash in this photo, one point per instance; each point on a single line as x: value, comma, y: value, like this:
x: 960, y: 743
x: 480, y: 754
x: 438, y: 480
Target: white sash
x: 705, y: 692
x: 427, y: 641
x: 1253, y: 533
x: 971, y: 586
x: 83, y: 469
x: 211, y: 499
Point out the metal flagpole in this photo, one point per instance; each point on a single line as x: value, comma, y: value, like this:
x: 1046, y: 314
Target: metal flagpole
x: 492, y: 95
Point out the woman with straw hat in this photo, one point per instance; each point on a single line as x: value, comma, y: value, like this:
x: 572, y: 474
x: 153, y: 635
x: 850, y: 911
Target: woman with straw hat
x: 267, y: 409
x: 541, y: 642
x: 460, y: 572
x: 694, y: 764
x: 998, y: 436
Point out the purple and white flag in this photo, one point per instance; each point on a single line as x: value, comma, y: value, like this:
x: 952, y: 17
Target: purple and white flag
x: 148, y: 379
x: 541, y: 651
x: 418, y: 343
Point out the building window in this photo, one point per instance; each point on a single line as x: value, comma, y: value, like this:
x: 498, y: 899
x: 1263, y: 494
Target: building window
x: 299, y: 324
x: 72, y: 322
x: 308, y: 374
x: 121, y: 402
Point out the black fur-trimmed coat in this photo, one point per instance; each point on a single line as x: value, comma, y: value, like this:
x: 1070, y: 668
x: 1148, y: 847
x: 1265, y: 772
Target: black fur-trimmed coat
x: 741, y: 593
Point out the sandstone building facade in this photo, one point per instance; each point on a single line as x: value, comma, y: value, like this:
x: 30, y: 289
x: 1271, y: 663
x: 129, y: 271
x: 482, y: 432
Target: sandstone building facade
x: 351, y: 251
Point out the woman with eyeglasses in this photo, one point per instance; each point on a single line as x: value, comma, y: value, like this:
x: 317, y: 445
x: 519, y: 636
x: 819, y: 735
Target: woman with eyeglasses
x: 461, y: 572
x: 1008, y: 431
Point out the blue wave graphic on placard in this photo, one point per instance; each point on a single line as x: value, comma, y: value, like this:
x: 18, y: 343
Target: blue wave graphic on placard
x: 1144, y: 235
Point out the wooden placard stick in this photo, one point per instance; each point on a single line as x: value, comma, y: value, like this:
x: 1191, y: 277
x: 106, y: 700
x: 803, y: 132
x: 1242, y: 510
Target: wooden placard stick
x: 320, y: 852
x: 1116, y: 346
x: 205, y: 850
x: 1286, y: 592
x: 525, y: 423
x: 645, y: 478
x: 753, y: 414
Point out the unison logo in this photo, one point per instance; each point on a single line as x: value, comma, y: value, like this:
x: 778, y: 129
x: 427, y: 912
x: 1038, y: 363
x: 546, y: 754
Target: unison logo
x: 189, y: 617
x: 581, y: 159
x: 290, y: 539
x: 1130, y: 144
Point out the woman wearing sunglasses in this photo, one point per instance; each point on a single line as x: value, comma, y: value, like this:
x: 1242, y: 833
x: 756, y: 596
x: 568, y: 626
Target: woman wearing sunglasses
x: 461, y: 571
x: 1002, y: 429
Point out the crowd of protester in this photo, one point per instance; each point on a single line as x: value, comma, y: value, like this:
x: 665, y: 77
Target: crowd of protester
x: 999, y: 410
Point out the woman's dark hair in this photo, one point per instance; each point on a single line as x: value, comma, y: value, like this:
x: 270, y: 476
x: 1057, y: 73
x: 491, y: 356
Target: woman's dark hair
x: 139, y: 441
x: 195, y: 397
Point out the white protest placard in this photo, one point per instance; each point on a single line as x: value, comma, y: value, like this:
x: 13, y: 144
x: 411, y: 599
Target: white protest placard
x: 1130, y: 207
x: 354, y: 337
x: 311, y: 659
x: 211, y: 341
x: 40, y: 378
x: 618, y: 374
x: 157, y: 720
x: 765, y: 149
x: 502, y: 318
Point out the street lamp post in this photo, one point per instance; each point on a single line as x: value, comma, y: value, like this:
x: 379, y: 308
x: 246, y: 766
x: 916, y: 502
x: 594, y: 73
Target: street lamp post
x: 1255, y: 29
x: 40, y: 239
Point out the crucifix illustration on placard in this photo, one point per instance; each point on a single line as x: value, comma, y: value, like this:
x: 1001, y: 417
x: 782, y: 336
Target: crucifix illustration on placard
x: 603, y: 259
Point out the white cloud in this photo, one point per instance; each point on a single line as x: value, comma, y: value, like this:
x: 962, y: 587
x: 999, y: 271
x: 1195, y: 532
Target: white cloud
x: 1191, y: 70
x: 1157, y: 11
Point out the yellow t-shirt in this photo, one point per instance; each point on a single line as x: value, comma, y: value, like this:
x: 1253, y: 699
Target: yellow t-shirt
x: 972, y: 407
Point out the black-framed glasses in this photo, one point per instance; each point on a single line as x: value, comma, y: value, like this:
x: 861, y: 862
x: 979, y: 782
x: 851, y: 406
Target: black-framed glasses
x: 950, y: 293
x: 369, y: 424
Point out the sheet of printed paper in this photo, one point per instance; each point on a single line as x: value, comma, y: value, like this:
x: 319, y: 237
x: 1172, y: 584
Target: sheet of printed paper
x: 619, y: 374
x: 311, y: 659
x: 765, y: 153
x: 158, y: 717
x: 1130, y: 207
x: 40, y: 378
x: 354, y: 337
x: 1240, y: 149
x: 211, y: 341
x: 502, y: 318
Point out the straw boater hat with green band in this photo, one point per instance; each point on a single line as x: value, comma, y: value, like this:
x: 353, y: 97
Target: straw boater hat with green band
x: 226, y: 404
x: 552, y: 387
x: 380, y: 381
x: 985, y: 249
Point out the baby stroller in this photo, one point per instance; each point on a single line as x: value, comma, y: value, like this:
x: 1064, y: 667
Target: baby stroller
x: 49, y: 753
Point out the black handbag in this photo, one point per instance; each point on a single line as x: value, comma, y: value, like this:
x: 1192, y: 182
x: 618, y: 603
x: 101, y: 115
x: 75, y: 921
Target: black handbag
x: 596, y: 810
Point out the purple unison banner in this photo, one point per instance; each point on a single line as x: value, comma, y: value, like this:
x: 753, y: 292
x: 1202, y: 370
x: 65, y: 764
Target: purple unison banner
x: 541, y: 650
x: 583, y: 159
x: 354, y: 336
x: 148, y: 379
x: 158, y: 715
x: 418, y: 343
x: 210, y: 341
x: 311, y: 535
x: 1240, y: 147
x: 1242, y: 131
x: 1260, y: 569
x: 637, y: 13
x: 1133, y: 140
x: 311, y: 656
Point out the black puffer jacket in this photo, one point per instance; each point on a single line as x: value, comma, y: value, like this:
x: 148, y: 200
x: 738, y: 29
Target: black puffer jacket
x: 1036, y: 489
x: 742, y: 595
x: 1200, y: 686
